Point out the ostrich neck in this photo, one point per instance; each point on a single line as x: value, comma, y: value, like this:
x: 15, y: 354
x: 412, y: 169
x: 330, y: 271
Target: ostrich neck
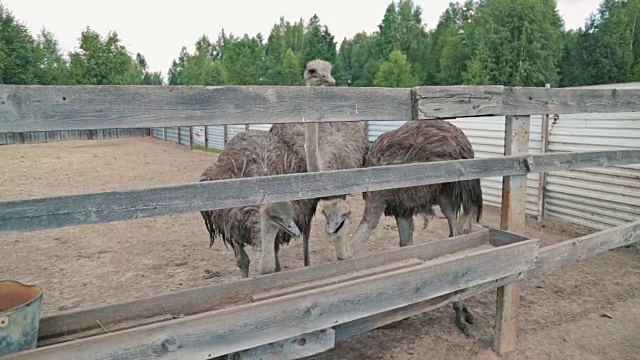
x: 341, y: 242
x: 267, y: 241
x: 311, y: 146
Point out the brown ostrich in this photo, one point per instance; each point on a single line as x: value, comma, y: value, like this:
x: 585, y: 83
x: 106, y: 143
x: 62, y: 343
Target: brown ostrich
x: 255, y: 153
x: 326, y: 147
x: 423, y: 141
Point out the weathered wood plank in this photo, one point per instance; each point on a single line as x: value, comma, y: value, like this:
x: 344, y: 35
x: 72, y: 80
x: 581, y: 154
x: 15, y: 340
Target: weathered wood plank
x: 538, y: 101
x: 246, y: 326
x: 446, y: 102
x: 42, y: 108
x: 62, y: 211
x: 51, y: 108
x: 368, y: 323
x: 513, y: 215
x: 569, y: 251
x: 208, y: 298
x: 292, y: 348
x: 336, y: 279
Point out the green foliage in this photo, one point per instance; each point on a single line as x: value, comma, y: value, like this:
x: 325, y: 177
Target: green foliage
x: 518, y: 42
x: 508, y: 42
x: 395, y: 72
x: 53, y: 66
x: 17, y: 51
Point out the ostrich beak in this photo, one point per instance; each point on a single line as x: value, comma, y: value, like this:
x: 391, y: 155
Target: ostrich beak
x: 334, y: 225
x: 330, y: 80
x: 290, y: 228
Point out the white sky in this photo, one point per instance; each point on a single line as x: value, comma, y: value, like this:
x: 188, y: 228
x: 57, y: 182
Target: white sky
x: 158, y: 29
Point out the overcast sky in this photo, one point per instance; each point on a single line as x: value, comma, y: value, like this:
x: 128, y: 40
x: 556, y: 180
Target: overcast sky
x: 158, y: 29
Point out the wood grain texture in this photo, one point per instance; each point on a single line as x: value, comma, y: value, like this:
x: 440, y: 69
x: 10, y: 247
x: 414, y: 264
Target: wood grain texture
x: 583, y: 247
x: 514, y: 188
x: 368, y: 323
x: 43, y: 108
x: 292, y: 348
x: 62, y: 211
x: 513, y: 215
x: 538, y: 101
x: 246, y: 326
x: 447, y: 102
x: 49, y: 108
x: 208, y: 298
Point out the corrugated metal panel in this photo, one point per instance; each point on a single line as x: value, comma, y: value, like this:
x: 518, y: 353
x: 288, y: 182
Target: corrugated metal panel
x: 198, y: 135
x: 263, y: 127
x: 171, y: 134
x: 599, y: 198
x: 377, y: 128
x: 53, y: 136
x: 185, y: 135
x: 233, y: 130
x: 216, y: 137
x: 486, y: 135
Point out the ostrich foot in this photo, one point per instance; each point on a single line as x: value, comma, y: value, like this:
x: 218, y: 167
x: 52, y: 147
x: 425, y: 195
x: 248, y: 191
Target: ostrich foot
x: 463, y: 316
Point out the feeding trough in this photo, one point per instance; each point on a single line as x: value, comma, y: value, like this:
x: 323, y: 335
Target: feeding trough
x: 20, y: 306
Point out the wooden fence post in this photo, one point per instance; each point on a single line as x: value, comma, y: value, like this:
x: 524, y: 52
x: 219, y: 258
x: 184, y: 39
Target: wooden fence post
x: 514, y: 202
x: 206, y: 138
x: 542, y: 177
x: 190, y: 137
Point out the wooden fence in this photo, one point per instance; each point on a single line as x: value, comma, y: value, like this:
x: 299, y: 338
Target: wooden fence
x: 304, y: 311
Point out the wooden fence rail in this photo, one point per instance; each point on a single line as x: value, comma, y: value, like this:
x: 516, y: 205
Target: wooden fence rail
x: 61, y: 211
x: 45, y: 108
x: 337, y: 305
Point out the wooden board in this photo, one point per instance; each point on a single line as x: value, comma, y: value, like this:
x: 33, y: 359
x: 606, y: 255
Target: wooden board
x: 62, y: 211
x: 58, y: 327
x: 292, y: 348
x: 44, y: 108
x: 51, y: 108
x: 447, y: 102
x: 246, y: 326
x: 583, y: 247
x: 513, y: 215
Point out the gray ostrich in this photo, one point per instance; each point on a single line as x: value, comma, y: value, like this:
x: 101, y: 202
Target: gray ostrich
x: 255, y: 153
x: 423, y: 141
x: 326, y: 147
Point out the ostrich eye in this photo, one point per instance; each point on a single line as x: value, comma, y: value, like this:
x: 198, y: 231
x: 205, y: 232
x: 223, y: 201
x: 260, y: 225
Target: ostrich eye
x: 312, y: 71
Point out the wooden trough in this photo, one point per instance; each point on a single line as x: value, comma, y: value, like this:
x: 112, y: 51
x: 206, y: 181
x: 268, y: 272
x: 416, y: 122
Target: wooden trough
x: 301, y: 312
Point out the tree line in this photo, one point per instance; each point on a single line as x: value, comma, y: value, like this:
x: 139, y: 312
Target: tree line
x: 505, y: 42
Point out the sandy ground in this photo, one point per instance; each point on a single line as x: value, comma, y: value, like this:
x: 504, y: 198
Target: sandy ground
x: 586, y: 310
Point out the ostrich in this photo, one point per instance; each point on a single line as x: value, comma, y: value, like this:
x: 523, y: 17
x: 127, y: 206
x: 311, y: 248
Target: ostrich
x: 326, y: 147
x: 423, y: 141
x: 255, y: 153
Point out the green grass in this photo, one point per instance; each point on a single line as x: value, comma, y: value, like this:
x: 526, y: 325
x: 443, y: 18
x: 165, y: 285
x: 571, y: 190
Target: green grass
x: 211, y: 150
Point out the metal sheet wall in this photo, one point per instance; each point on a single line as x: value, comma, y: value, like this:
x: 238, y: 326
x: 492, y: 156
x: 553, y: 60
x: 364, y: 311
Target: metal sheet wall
x: 52, y: 136
x: 599, y: 198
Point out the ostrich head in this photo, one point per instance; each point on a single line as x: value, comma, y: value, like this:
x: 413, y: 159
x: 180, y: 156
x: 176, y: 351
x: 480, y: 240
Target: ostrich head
x: 318, y: 73
x: 283, y: 216
x: 337, y: 214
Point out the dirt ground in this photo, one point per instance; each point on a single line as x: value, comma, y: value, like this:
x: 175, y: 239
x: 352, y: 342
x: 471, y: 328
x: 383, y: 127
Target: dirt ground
x: 586, y: 310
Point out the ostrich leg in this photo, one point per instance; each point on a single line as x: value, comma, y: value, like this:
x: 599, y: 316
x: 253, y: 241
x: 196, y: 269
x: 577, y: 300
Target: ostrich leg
x: 447, y: 208
x: 405, y: 230
x: 463, y: 316
x: 305, y: 245
x: 276, y: 247
x: 242, y: 260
